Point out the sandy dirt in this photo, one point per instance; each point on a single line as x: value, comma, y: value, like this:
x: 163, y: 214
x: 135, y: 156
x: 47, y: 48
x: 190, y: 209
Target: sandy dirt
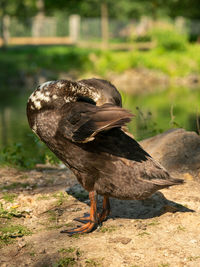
x: 161, y: 231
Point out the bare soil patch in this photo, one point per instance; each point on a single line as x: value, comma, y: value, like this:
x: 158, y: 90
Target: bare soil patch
x: 161, y: 231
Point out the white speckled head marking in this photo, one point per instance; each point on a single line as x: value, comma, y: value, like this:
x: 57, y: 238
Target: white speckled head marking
x: 41, y: 86
x: 80, y: 89
x: 68, y: 99
x: 62, y: 90
x: 37, y: 97
x: 60, y: 84
x: 54, y: 96
x: 94, y: 94
x: 40, y: 95
x: 47, y: 93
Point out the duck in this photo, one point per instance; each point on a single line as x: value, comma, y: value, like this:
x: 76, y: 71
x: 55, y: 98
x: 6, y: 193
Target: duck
x: 84, y: 124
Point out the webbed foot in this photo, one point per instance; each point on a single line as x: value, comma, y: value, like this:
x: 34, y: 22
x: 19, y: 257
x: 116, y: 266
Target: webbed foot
x: 92, y: 220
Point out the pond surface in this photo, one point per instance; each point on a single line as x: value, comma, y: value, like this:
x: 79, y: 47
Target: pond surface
x: 176, y: 107
x: 155, y: 113
x: 19, y: 146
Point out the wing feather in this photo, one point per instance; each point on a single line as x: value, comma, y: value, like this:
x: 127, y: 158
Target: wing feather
x: 82, y: 121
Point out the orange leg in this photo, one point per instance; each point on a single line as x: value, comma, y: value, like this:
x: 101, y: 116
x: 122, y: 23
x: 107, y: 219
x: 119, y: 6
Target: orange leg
x: 93, y: 219
x: 101, y: 217
x: 106, y: 209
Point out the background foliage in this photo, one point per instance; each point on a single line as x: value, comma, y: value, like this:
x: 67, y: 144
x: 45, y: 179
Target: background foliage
x: 174, y: 55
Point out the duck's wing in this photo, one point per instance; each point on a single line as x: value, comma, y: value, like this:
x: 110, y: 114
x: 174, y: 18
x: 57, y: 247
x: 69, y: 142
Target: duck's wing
x: 82, y: 121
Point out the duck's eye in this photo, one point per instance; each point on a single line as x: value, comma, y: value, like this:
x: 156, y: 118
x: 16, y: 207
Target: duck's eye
x: 86, y: 99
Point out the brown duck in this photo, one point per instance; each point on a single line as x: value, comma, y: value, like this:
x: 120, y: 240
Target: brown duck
x: 81, y: 122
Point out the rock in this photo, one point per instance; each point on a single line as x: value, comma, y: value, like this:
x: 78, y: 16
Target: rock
x: 42, y: 251
x: 140, y: 81
x: 21, y: 244
x: 122, y: 240
x: 191, y: 81
x: 177, y: 150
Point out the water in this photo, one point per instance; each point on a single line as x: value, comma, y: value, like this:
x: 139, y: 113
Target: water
x: 176, y: 107
x: 14, y: 127
x: 155, y: 113
x: 19, y: 146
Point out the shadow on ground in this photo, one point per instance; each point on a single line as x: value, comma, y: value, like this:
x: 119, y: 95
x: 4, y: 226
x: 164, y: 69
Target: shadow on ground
x: 151, y: 207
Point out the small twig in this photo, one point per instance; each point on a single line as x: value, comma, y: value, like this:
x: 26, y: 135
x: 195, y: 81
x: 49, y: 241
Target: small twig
x: 197, y: 121
x: 172, y: 121
x: 172, y: 114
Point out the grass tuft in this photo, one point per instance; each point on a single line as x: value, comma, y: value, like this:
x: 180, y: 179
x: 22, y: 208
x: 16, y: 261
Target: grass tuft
x: 9, y: 197
x: 7, y: 233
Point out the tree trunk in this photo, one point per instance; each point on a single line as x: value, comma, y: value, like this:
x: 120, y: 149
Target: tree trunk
x: 38, y: 20
x: 5, y: 22
x: 5, y: 30
x: 74, y: 27
x: 104, y: 25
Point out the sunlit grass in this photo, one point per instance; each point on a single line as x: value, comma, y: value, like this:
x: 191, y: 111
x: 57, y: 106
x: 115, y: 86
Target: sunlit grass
x: 172, y: 63
x: 66, y: 58
x: 7, y: 233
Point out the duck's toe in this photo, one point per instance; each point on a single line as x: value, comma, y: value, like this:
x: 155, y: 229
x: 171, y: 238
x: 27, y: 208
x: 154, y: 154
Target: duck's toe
x: 88, y: 227
x: 84, y: 219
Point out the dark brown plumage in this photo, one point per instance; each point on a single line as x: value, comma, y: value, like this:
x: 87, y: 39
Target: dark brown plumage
x: 81, y: 122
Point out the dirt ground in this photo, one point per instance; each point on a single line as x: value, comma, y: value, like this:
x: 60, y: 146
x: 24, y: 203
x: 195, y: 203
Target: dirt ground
x: 161, y: 231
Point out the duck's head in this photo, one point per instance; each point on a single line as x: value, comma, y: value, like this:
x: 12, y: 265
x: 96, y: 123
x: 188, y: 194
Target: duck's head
x: 55, y: 94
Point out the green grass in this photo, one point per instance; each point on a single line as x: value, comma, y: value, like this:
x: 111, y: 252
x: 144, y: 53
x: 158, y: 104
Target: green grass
x: 53, y: 216
x: 20, y: 154
x: 65, y: 261
x: 67, y: 250
x: 17, y: 185
x: 31, y: 60
x: 193, y: 258
x: 69, y: 257
x: 154, y: 223
x: 9, y: 197
x: 108, y: 229
x: 143, y: 234
x: 9, y: 213
x: 61, y: 197
x: 43, y: 197
x: 54, y: 227
x: 181, y: 228
x: 91, y: 263
x: 7, y: 233
x: 172, y: 63
x: 163, y: 265
x: 52, y: 58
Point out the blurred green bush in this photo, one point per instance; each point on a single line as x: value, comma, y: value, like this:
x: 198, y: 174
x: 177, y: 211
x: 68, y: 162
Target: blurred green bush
x: 170, y: 39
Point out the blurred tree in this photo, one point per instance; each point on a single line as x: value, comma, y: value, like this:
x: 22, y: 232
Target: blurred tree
x: 125, y: 9
x: 37, y: 23
x: 93, y: 8
x: 104, y: 23
x: 120, y: 9
x: 18, y: 8
x: 185, y: 8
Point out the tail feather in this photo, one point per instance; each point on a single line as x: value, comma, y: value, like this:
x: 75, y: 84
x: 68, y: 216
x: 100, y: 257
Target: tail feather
x: 170, y: 182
